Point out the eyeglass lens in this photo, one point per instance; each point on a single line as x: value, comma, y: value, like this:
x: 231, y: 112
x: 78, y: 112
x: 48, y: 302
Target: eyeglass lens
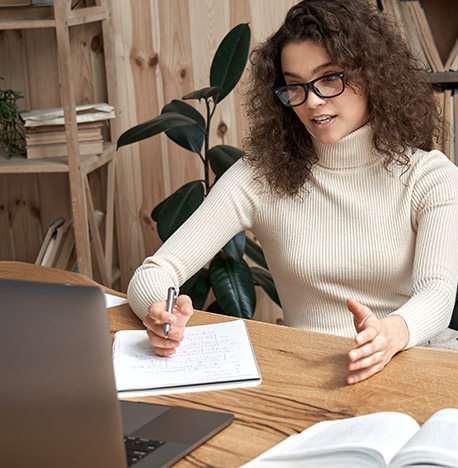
x: 328, y: 86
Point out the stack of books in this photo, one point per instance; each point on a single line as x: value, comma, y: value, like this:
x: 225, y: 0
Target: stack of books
x: 45, y: 135
x: 49, y: 141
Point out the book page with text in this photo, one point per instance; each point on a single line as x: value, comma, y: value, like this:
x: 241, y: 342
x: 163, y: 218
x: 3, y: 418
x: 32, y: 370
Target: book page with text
x: 435, y: 443
x: 364, y: 441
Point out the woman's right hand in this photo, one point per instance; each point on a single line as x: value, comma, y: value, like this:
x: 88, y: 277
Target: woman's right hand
x: 158, y: 315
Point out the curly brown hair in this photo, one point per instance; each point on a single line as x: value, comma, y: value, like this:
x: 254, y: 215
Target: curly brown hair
x: 371, y: 50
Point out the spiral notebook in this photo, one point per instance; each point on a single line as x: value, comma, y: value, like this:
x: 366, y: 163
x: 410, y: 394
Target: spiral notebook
x: 211, y: 357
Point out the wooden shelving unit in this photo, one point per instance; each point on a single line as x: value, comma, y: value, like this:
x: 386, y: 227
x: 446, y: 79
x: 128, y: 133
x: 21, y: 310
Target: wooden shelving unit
x: 448, y: 79
x: 61, y: 17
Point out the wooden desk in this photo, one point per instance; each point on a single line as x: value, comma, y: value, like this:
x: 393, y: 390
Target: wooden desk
x: 303, y: 382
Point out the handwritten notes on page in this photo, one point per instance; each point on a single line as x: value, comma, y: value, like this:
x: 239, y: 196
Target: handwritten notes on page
x: 210, y: 357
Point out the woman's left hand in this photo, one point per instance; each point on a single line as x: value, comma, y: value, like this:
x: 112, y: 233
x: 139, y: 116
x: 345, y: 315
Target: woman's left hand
x: 378, y: 340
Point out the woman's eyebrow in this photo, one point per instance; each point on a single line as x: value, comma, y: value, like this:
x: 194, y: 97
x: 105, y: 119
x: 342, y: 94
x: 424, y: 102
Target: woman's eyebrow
x: 314, y: 71
x: 321, y: 67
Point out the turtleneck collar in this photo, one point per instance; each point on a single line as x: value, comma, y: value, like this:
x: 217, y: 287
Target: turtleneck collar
x: 353, y: 151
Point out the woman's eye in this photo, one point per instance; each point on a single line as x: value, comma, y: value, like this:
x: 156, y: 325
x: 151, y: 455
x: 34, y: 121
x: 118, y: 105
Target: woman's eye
x: 330, y: 78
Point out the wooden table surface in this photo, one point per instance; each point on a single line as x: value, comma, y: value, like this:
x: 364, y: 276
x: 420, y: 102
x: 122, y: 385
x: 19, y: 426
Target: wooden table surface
x: 303, y: 382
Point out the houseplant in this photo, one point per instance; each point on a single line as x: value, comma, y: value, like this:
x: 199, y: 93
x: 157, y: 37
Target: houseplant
x: 12, y: 138
x: 228, y: 275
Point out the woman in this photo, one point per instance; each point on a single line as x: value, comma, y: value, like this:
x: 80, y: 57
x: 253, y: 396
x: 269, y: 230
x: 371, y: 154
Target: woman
x: 357, y: 216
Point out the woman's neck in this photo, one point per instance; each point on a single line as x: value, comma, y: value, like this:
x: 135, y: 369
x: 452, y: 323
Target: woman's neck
x: 353, y: 151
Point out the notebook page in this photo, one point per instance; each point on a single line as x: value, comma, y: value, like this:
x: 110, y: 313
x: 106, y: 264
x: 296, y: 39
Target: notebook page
x: 209, y: 354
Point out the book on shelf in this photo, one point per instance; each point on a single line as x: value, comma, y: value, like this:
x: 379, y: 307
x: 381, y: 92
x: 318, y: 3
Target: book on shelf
x: 378, y: 440
x: 53, y: 242
x: 413, y: 23
x: 50, y: 141
x: 56, y: 150
x: 91, y: 131
x: 425, y: 35
x: 210, y: 357
x: 47, y: 238
x: 55, y: 116
x: 68, y: 246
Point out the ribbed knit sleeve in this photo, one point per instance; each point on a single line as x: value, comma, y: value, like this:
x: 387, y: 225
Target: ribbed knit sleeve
x: 387, y: 237
x: 229, y: 209
x: 435, y: 268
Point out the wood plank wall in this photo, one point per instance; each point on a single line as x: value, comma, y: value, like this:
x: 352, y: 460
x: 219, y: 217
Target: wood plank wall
x: 163, y: 50
x: 29, y: 203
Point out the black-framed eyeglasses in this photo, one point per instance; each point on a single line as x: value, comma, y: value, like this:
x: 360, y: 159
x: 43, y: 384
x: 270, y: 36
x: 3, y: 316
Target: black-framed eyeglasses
x: 327, y: 86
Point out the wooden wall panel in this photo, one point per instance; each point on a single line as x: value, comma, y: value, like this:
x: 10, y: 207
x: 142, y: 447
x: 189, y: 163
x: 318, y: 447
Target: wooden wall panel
x: 6, y: 244
x: 23, y: 216
x: 164, y: 50
x: 41, y: 68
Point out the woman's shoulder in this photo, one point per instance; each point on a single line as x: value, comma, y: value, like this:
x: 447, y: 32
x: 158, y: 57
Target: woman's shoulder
x: 424, y: 160
x: 433, y: 172
x: 242, y: 173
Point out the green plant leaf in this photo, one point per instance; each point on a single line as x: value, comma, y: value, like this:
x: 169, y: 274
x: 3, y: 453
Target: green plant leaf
x: 153, y: 127
x: 190, y: 137
x: 233, y: 286
x: 230, y: 60
x: 204, y: 93
x: 222, y: 157
x: 255, y: 253
x: 264, y: 279
x: 178, y: 207
x: 236, y: 247
x: 197, y: 288
x: 157, y: 210
x: 215, y: 308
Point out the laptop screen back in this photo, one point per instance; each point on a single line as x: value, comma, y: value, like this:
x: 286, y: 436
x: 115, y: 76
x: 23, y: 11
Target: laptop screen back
x: 58, y: 403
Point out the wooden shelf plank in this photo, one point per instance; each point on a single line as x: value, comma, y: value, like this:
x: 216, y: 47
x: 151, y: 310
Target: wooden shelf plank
x: 86, y: 15
x: 36, y: 17
x: 22, y: 165
x: 92, y: 162
x: 27, y: 24
x: 448, y: 77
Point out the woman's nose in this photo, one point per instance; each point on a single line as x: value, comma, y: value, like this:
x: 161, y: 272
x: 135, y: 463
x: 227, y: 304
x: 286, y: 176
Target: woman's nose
x: 313, y: 100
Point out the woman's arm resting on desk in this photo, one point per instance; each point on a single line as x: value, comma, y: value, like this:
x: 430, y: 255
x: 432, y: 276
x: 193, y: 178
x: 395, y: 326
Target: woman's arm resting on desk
x: 158, y: 315
x: 378, y: 340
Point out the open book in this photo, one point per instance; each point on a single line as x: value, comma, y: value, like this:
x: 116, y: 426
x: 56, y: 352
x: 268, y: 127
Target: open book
x: 377, y: 440
x: 210, y: 357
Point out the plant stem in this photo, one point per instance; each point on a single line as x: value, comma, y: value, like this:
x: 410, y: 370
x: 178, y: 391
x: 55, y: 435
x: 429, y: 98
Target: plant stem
x: 207, y: 144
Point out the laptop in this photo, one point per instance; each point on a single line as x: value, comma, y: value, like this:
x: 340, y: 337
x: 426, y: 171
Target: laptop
x: 58, y: 400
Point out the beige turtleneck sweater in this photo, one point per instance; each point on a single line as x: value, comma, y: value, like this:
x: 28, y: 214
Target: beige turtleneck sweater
x: 387, y: 239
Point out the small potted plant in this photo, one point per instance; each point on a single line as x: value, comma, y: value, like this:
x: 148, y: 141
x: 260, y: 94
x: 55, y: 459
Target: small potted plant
x: 12, y: 137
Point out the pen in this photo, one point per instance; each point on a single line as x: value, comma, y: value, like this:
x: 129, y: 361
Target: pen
x: 171, y: 300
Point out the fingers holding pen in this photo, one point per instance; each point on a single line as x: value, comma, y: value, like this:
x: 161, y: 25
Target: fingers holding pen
x: 158, y: 316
